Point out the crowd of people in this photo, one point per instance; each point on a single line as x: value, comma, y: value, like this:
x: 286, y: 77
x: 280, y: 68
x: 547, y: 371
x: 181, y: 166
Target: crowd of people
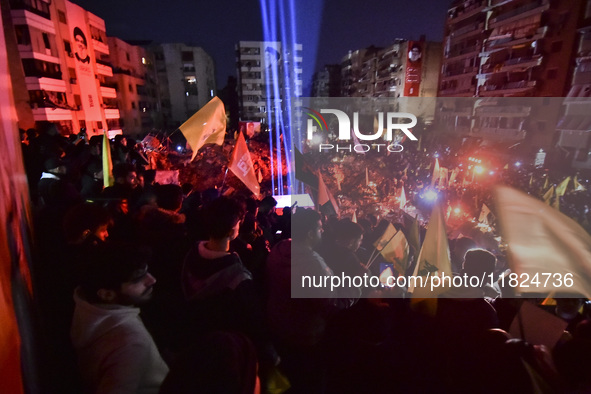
x: 150, y: 288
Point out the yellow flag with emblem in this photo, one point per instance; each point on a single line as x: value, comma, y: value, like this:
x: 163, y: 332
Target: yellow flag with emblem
x: 206, y: 126
x: 434, y: 257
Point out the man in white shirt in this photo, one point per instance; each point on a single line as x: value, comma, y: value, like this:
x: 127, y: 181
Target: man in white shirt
x: 116, y: 354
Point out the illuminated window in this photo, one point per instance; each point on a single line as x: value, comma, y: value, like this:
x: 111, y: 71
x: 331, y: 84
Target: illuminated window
x: 190, y: 86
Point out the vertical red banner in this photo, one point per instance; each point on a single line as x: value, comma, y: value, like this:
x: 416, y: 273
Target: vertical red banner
x: 414, y: 65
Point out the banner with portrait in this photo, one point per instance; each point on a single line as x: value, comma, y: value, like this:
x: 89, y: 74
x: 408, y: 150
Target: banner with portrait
x: 249, y: 128
x: 414, y: 63
x: 84, y: 59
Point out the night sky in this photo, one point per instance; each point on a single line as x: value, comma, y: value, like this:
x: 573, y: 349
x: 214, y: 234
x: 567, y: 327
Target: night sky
x: 327, y: 29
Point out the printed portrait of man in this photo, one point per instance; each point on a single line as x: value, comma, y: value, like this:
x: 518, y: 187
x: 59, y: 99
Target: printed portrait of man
x: 272, y: 57
x: 81, y: 46
x: 414, y: 55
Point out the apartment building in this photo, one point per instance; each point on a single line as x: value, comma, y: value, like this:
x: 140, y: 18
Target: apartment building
x: 403, y: 69
x: 575, y: 126
x: 56, y: 68
x: 269, y: 77
x: 134, y: 77
x: 186, y: 80
x: 327, y: 82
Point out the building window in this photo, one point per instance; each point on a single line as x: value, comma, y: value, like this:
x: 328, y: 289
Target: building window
x: 141, y: 90
x: 133, y: 105
x: 189, y: 67
x: 46, y: 40
x: 130, y: 88
x: 82, y: 124
x: 68, y: 48
x: 61, y: 16
x: 190, y: 86
x: 38, y: 7
x: 187, y: 56
x: 22, y: 35
x: 39, y: 68
x: 127, y: 56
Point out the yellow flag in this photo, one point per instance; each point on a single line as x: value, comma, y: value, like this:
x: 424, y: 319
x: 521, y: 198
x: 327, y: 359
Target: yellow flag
x: 324, y: 195
x: 206, y: 126
x: 402, y: 198
x: 443, y: 175
x: 396, y: 252
x: 561, y: 189
x: 541, y: 240
x: 546, y: 183
x: 435, y: 177
x: 548, y: 195
x: 484, y: 214
x: 578, y: 187
x: 434, y: 259
x: 531, y: 180
x: 107, y: 162
x: 454, y: 175
x: 354, y: 218
x: 388, y: 234
x: 413, y: 235
x: 241, y: 166
x: 556, y: 203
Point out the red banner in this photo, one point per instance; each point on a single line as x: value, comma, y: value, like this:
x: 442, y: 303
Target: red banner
x: 414, y: 63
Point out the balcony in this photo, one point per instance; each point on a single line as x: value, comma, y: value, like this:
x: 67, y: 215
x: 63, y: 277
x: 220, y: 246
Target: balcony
x: 42, y: 9
x: 464, y: 92
x: 28, y: 18
x: 42, y: 83
x: 51, y: 114
x: 461, y: 71
x: 500, y: 134
x: 111, y: 113
x: 521, y: 63
x: 100, y: 46
x: 509, y: 88
x: 467, y: 29
x: 107, y: 92
x: 524, y: 11
x: 103, y: 69
x: 464, y: 51
x: 465, y: 13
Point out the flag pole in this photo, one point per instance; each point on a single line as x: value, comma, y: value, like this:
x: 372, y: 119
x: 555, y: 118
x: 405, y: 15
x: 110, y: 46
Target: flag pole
x: 224, y: 181
x: 370, y: 262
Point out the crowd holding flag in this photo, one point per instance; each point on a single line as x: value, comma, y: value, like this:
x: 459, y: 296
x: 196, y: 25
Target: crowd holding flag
x: 206, y: 126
